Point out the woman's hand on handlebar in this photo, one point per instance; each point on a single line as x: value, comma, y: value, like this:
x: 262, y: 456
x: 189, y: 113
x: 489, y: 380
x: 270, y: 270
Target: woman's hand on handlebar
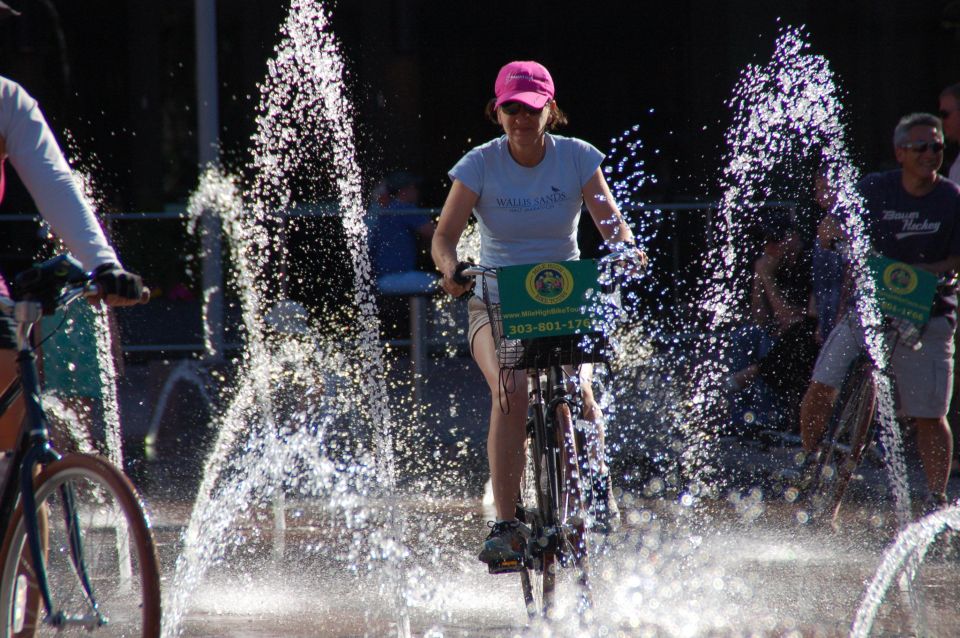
x: 629, y: 262
x: 456, y: 284
x: 119, y: 287
x: 640, y: 260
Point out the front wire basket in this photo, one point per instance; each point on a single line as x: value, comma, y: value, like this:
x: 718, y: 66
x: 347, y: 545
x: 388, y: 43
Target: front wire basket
x: 543, y: 352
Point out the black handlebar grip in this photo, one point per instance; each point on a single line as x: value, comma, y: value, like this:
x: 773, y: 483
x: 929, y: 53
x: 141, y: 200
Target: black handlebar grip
x: 458, y: 278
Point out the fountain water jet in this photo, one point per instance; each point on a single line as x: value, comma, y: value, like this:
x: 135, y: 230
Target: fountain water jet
x: 303, y: 112
x: 103, y: 337
x: 903, y: 558
x: 787, y: 108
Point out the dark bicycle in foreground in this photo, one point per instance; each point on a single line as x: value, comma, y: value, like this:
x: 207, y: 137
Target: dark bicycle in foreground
x: 555, y: 501
x: 78, y: 556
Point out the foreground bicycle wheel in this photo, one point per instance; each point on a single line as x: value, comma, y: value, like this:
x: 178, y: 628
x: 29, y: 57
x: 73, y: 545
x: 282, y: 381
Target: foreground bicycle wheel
x: 96, y: 540
x: 558, y: 539
x: 846, y: 441
x: 538, y: 579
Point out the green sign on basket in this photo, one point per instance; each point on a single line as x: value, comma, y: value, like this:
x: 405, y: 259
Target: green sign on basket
x: 547, y: 299
x: 903, y: 291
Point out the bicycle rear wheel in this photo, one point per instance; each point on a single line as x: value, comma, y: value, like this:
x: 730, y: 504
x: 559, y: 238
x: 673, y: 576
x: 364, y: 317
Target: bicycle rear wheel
x: 97, y: 541
x: 847, y: 439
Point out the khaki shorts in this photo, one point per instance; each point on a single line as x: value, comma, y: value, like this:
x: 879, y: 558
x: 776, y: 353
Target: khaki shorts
x: 477, y: 317
x: 509, y: 351
x: 923, y: 377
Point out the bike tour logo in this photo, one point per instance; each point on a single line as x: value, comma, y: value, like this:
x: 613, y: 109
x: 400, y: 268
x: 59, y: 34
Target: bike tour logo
x: 900, y: 278
x: 549, y: 283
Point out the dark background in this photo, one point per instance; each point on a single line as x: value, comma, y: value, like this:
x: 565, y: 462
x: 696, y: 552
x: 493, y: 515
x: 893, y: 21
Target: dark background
x: 119, y: 76
x: 116, y: 80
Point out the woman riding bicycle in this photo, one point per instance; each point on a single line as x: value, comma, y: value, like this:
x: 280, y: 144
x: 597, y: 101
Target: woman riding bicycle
x: 526, y: 189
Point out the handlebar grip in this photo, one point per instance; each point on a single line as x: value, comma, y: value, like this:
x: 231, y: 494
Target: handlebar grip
x: 458, y: 277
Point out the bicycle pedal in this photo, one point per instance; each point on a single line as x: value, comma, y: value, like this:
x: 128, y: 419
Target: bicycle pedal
x: 505, y: 567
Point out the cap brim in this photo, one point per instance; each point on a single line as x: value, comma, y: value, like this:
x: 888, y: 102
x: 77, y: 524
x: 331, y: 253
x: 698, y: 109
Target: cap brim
x: 7, y: 10
x: 531, y: 99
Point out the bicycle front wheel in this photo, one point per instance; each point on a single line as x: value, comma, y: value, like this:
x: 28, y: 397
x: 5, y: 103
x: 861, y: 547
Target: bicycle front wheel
x: 100, y: 557
x: 538, y: 578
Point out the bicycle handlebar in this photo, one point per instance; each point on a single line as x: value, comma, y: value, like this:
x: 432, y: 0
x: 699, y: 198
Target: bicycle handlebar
x: 470, y: 271
x: 465, y: 270
x: 8, y: 306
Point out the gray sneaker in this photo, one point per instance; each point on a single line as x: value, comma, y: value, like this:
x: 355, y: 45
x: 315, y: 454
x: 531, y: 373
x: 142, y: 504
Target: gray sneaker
x: 503, y: 548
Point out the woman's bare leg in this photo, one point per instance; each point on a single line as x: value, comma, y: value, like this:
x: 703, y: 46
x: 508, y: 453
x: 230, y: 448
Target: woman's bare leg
x: 507, y: 433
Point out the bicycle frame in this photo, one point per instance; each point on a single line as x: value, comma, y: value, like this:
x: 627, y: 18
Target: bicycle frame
x: 859, y: 375
x: 559, y: 455
x: 33, y: 450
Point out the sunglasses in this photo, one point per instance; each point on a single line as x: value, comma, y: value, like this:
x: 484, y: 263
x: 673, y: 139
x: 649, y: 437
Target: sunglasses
x: 514, y: 108
x: 921, y: 147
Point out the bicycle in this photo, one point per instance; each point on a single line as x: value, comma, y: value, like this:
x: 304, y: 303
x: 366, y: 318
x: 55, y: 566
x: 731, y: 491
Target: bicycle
x: 850, y: 431
x: 78, y: 554
x: 558, y: 475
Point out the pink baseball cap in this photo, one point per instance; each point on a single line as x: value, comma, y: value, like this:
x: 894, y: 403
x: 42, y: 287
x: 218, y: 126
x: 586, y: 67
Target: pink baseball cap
x: 526, y: 82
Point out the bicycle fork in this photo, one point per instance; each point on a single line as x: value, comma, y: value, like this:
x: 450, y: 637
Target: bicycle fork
x: 545, y: 535
x: 563, y: 453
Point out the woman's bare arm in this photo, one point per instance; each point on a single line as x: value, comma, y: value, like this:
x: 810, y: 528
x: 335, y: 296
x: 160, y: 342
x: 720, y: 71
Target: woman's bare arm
x: 453, y: 219
x: 606, y: 215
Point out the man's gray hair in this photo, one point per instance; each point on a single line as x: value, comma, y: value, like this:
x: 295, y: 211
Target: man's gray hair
x: 901, y: 134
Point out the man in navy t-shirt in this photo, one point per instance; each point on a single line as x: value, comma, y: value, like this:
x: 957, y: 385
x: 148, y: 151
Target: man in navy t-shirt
x: 912, y: 215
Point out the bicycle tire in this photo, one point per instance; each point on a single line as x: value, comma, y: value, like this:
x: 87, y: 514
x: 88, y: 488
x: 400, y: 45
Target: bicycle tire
x: 538, y: 578
x: 108, y: 510
x: 852, y: 420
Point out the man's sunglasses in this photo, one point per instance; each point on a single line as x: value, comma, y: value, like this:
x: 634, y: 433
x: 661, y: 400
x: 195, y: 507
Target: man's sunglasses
x: 921, y: 147
x: 513, y: 108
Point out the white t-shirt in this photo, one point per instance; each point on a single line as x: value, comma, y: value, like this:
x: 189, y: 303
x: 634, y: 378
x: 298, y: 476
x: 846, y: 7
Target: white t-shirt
x: 954, y: 173
x: 35, y: 156
x: 528, y: 215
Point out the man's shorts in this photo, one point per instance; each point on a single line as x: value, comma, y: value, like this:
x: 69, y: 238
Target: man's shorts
x: 923, y: 377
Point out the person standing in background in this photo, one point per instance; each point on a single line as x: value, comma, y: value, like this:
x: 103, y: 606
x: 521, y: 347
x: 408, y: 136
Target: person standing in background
x: 950, y: 114
x: 398, y: 235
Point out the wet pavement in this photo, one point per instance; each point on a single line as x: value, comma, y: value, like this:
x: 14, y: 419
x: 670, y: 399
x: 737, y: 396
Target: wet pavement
x: 740, y: 564
x: 669, y: 571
